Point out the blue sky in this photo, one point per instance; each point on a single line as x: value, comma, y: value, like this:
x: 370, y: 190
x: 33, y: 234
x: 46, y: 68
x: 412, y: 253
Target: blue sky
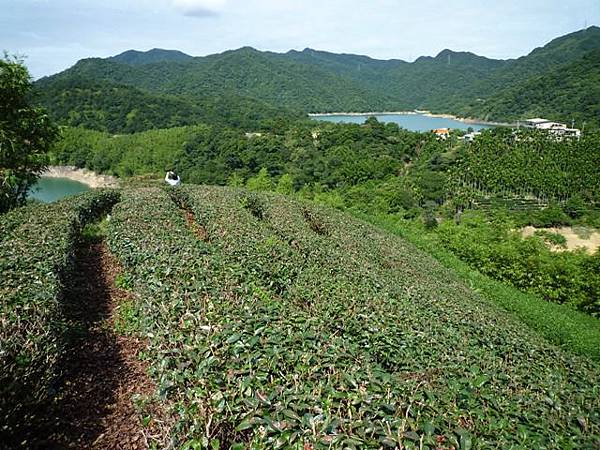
x: 54, y: 34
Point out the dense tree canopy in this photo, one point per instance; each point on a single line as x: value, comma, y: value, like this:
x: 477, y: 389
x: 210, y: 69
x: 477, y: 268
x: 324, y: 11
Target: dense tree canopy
x: 116, y: 108
x: 374, y: 165
x: 26, y: 134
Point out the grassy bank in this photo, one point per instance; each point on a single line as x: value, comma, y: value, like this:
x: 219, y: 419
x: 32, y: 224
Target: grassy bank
x: 560, y: 324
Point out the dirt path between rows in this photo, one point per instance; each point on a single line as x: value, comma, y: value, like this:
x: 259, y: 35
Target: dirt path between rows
x: 196, y: 228
x: 93, y: 405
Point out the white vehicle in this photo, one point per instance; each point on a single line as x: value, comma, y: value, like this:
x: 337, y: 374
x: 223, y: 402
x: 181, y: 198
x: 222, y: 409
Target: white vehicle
x: 172, y: 178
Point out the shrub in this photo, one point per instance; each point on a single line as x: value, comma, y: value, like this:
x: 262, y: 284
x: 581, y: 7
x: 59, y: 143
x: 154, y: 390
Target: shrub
x: 261, y: 182
x: 575, y: 207
x: 274, y: 336
x: 35, y: 257
x: 253, y: 204
x: 285, y: 185
x: 552, y: 216
x: 315, y: 222
x: 552, y: 238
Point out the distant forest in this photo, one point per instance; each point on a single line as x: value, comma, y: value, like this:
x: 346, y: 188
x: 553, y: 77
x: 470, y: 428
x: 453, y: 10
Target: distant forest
x: 137, y: 91
x: 381, y: 170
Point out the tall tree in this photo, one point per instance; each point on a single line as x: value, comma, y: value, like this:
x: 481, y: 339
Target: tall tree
x: 26, y: 134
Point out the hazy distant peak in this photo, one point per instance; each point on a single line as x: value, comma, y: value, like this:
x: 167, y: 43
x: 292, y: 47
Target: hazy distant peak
x: 463, y: 56
x: 591, y: 30
x: 588, y: 38
x: 246, y: 49
x: 445, y: 53
x: 136, y: 57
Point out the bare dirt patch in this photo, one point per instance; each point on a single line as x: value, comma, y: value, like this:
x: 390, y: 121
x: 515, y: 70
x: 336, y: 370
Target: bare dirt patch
x: 590, y: 241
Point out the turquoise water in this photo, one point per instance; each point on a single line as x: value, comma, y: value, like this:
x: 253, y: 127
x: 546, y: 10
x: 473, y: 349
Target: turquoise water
x: 49, y: 189
x: 413, y: 122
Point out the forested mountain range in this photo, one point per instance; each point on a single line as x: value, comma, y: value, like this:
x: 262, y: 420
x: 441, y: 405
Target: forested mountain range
x: 558, y: 80
x: 102, y: 105
x: 570, y: 92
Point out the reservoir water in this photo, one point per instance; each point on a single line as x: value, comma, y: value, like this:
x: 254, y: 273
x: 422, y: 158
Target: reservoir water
x: 412, y: 122
x: 49, y: 189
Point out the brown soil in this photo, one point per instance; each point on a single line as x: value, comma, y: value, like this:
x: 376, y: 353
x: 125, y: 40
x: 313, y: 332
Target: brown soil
x: 195, y: 227
x: 93, y: 405
x: 590, y: 244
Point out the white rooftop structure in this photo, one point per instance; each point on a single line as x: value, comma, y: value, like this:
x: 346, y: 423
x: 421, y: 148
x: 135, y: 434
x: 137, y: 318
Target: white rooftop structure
x: 536, y: 121
x: 556, y: 128
x: 543, y: 124
x: 470, y: 137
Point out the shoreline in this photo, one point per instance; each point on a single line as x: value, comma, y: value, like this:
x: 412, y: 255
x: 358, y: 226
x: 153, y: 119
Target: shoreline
x: 372, y: 113
x: 468, y: 120
x: 92, y: 179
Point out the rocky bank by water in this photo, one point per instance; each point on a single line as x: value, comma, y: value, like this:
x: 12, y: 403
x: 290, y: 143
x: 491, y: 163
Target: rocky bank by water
x: 85, y: 176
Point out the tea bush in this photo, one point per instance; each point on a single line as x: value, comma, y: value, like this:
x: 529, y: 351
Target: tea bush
x: 36, y: 252
x: 272, y: 334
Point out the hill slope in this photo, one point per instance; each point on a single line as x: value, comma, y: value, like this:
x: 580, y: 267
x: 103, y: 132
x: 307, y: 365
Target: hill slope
x: 330, y: 328
x: 93, y: 103
x: 245, y: 72
x: 315, y: 81
x: 426, y: 83
x: 569, y: 91
x: 271, y: 322
x: 561, y: 51
x: 134, y: 57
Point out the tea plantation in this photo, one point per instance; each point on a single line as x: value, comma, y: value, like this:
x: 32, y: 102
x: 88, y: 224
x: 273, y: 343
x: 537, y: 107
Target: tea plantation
x: 272, y: 323
x: 36, y: 249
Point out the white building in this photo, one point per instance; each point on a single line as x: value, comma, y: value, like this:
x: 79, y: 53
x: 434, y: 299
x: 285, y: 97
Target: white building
x: 538, y: 123
x: 470, y: 137
x: 560, y: 130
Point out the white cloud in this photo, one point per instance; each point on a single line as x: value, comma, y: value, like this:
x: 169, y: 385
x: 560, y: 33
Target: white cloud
x: 199, y: 8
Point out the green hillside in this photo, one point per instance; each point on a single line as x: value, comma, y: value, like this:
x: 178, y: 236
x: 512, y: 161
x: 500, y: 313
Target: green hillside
x: 343, y: 155
x: 426, y: 83
x: 380, y: 169
x: 558, y: 52
x: 79, y: 101
x: 310, y: 284
x: 395, y: 167
x: 316, y: 81
x: 276, y: 323
x: 246, y: 72
x: 155, y: 55
x: 567, y: 92
x: 528, y: 73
